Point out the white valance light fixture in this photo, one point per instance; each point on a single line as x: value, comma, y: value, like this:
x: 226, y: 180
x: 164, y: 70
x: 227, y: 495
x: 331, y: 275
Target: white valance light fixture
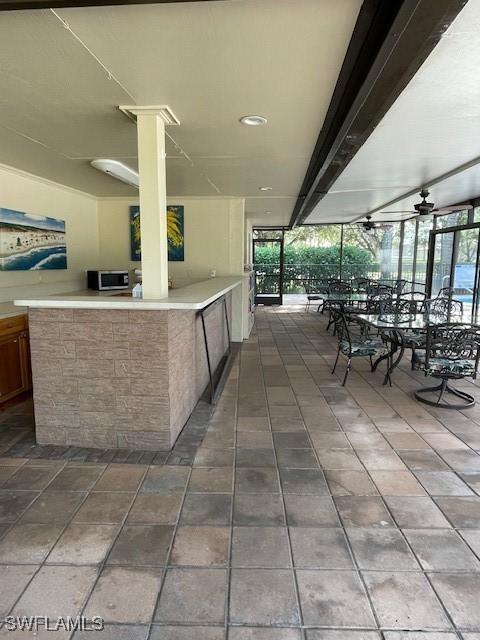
x: 117, y: 170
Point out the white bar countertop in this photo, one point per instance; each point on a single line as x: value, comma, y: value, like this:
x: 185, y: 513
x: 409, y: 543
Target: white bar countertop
x: 194, y: 296
x: 9, y: 310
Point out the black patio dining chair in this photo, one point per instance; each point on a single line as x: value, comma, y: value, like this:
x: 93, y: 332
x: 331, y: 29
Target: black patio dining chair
x: 445, y: 292
x: 399, y: 307
x: 360, y: 284
x: 315, y: 291
x: 416, y: 300
x: 376, y: 302
x: 414, y: 338
x: 354, y: 345
x: 451, y: 353
x: 378, y: 289
x: 443, y: 308
x: 399, y: 286
x: 404, y: 309
x: 336, y: 287
x: 339, y: 286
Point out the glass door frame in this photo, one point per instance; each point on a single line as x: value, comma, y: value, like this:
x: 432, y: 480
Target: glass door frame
x: 273, y: 299
x: 456, y: 240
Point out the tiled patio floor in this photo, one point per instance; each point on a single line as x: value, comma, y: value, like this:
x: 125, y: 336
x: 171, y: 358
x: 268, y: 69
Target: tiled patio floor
x: 311, y: 512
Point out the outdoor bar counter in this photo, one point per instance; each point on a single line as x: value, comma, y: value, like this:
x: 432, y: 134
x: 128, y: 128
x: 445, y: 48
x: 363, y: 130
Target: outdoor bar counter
x: 114, y: 371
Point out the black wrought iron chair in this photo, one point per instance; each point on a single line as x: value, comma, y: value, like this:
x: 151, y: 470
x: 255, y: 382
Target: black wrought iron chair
x: 314, y: 290
x: 378, y: 289
x: 354, y: 346
x: 376, y: 302
x: 412, y: 338
x: 443, y: 308
x: 452, y: 353
x: 360, y: 285
x: 399, y: 286
x: 445, y: 292
x: 398, y: 307
x: 404, y: 309
x: 416, y: 300
x: 336, y: 287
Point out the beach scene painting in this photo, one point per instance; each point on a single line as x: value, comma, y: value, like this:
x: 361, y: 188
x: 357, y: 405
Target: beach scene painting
x: 29, y: 241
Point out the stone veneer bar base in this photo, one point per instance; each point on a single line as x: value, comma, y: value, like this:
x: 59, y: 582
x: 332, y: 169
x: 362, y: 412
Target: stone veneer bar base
x: 127, y: 379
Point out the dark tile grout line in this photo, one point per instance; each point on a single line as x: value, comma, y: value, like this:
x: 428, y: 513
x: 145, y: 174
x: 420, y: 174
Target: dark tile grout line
x: 169, y: 552
x: 346, y: 539
x: 232, y: 501
x: 282, y: 497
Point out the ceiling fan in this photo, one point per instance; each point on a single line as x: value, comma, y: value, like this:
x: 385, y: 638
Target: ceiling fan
x: 369, y: 225
x: 426, y: 210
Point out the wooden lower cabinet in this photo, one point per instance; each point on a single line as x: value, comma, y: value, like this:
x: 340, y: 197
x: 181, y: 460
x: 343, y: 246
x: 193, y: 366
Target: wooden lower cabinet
x: 15, y: 373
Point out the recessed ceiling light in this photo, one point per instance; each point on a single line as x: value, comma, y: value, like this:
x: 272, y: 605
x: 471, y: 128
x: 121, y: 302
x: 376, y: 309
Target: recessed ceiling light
x: 253, y: 121
x: 268, y: 212
x: 265, y: 188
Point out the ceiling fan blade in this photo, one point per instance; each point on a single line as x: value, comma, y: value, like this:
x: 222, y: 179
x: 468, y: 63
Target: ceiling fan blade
x: 454, y: 208
x: 394, y: 212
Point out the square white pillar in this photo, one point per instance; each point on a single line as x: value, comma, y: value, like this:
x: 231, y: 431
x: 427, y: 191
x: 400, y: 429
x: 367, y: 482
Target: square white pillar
x: 153, y: 203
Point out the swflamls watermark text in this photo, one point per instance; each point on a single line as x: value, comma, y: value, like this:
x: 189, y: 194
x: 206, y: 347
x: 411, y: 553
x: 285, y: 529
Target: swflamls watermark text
x: 59, y: 623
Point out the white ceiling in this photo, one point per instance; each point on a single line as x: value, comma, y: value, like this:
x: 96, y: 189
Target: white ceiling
x: 64, y: 73
x: 432, y: 129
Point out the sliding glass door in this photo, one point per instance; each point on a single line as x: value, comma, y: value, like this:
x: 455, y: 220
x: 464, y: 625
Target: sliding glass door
x: 442, y: 262
x: 268, y: 266
x: 453, y: 262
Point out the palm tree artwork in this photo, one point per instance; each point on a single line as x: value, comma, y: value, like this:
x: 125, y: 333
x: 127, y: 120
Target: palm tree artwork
x: 175, y: 233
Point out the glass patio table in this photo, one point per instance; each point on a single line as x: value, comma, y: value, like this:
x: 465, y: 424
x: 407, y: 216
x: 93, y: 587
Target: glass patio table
x: 344, y: 298
x: 396, y: 325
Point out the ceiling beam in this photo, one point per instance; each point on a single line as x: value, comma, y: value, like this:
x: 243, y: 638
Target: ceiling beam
x: 390, y: 42
x: 15, y: 5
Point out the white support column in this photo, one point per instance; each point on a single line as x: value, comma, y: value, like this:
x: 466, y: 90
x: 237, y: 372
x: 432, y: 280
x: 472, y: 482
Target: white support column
x: 153, y: 203
x: 151, y: 121
x: 153, y: 197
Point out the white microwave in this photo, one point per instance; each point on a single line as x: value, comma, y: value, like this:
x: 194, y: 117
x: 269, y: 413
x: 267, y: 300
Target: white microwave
x: 105, y: 280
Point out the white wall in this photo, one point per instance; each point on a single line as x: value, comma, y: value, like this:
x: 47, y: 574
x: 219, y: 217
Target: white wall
x: 24, y: 192
x: 214, y: 236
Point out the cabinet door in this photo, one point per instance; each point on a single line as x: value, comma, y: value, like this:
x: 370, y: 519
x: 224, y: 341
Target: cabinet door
x: 12, y: 370
x: 25, y: 360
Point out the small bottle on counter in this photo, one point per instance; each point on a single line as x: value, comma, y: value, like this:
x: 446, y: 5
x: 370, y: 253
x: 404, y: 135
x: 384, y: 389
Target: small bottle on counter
x: 137, y: 291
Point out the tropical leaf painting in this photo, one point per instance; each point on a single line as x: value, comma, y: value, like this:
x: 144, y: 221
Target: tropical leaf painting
x: 135, y: 252
x: 175, y: 233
